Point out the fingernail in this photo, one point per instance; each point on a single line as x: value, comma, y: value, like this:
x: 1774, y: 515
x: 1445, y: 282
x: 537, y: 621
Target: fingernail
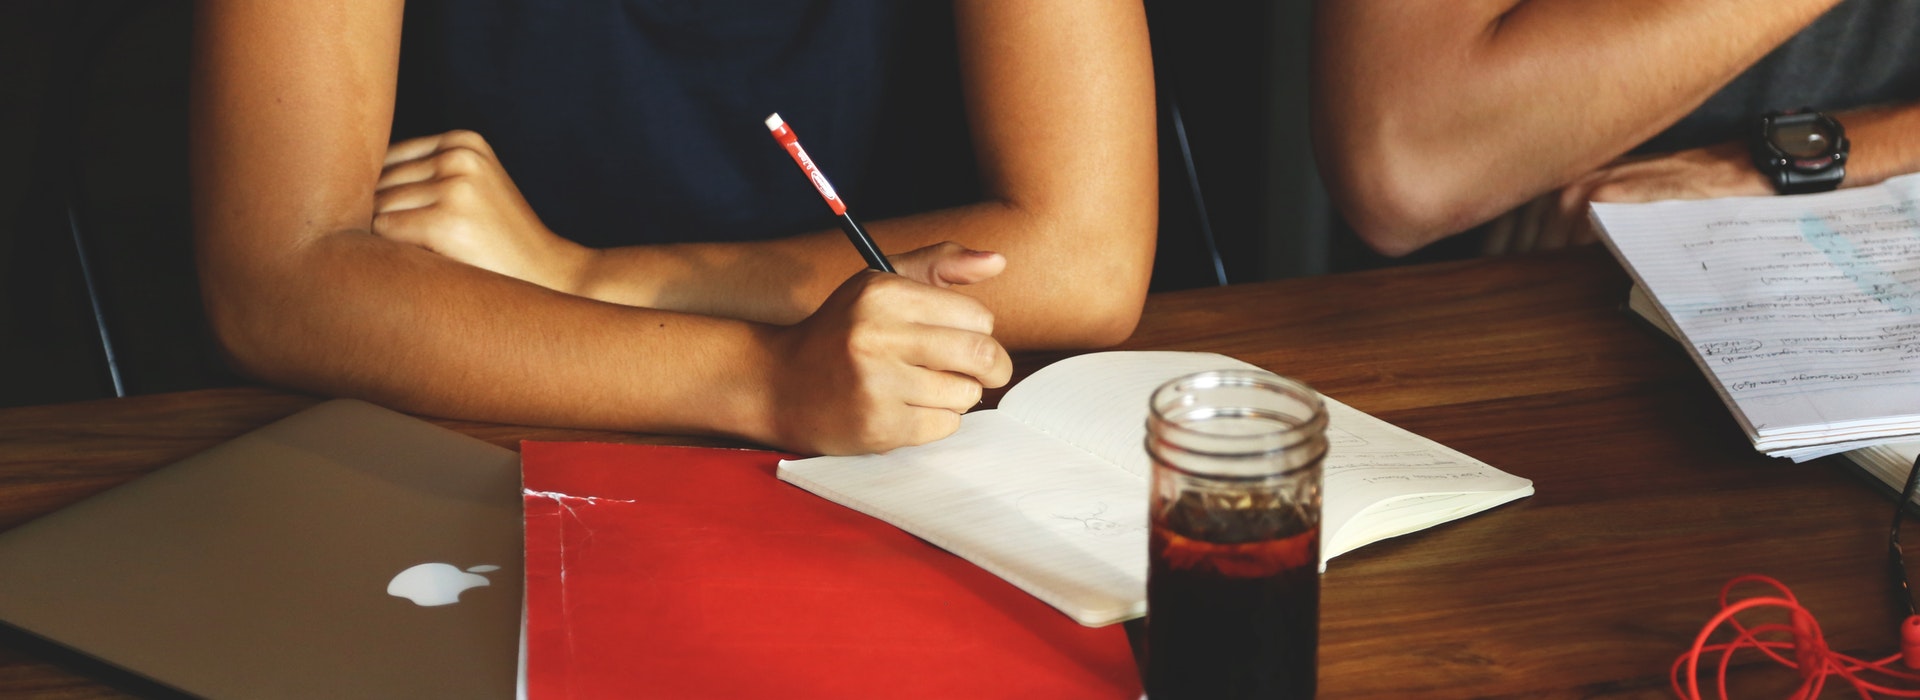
x: 980, y: 253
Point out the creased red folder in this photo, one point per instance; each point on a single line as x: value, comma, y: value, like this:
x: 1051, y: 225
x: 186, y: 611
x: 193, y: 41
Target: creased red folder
x: 692, y: 572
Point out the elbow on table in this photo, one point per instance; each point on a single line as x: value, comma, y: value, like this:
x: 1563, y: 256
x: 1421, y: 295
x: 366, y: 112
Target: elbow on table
x: 1097, y: 312
x: 1107, y: 324
x: 1087, y: 288
x: 258, y: 331
x: 1106, y: 306
x: 1076, y: 327
x: 239, y: 339
x: 1395, y: 211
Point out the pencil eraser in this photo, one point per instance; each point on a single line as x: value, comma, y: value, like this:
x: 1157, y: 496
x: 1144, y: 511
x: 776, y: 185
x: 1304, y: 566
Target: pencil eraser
x: 774, y: 122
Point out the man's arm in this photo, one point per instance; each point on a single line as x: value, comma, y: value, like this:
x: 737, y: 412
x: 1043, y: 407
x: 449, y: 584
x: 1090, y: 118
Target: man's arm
x: 1884, y: 145
x: 291, y: 106
x: 1059, y: 98
x: 1435, y: 116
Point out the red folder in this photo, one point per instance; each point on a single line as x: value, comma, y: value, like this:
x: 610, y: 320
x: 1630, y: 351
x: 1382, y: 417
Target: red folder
x: 659, y: 571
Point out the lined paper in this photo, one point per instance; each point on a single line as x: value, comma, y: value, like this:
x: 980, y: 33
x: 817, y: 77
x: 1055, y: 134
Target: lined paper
x: 1050, y: 490
x: 1804, y: 310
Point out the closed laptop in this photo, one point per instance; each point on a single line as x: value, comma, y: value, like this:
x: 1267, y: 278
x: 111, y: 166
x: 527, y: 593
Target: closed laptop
x: 345, y: 551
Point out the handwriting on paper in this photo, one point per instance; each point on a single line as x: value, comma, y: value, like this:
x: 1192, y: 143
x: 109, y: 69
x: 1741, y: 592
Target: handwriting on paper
x: 1826, y: 297
x: 1794, y: 305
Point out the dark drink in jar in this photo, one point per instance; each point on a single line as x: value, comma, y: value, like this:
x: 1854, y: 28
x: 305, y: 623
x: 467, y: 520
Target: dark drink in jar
x: 1233, y: 587
x: 1236, y: 606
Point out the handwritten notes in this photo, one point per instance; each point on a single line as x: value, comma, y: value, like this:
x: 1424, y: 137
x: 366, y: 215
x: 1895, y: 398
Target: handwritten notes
x: 1804, y: 310
x: 1049, y: 491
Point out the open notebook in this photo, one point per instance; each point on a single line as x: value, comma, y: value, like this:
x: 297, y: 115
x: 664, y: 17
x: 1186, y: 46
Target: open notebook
x: 1049, y: 491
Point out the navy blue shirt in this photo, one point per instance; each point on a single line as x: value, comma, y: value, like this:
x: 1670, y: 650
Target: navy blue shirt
x: 641, y: 121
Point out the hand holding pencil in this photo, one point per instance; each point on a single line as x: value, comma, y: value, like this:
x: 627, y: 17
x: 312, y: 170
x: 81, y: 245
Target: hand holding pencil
x: 887, y: 361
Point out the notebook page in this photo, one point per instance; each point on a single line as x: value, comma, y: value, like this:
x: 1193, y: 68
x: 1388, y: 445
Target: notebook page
x: 1062, y: 523
x: 1046, y: 516
x: 1098, y: 401
x: 1381, y: 481
x: 1804, y: 310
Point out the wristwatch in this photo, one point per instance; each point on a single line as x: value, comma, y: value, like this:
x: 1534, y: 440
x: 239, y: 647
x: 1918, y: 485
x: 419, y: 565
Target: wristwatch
x: 1800, y: 150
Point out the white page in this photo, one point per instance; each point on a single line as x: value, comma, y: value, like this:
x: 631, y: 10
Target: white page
x: 1372, y: 465
x: 1069, y: 527
x: 1642, y: 304
x: 1804, y: 310
x: 1046, y: 516
x: 1099, y: 400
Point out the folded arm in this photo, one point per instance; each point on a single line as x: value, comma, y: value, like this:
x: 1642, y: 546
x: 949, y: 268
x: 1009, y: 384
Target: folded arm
x: 1885, y: 142
x: 1435, y: 116
x: 291, y: 107
x: 1059, y: 99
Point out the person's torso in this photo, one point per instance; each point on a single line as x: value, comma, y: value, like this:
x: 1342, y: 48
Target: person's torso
x: 642, y: 121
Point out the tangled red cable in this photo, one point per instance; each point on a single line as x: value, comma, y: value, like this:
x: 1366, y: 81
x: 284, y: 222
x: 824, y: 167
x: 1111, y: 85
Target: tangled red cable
x: 1800, y: 635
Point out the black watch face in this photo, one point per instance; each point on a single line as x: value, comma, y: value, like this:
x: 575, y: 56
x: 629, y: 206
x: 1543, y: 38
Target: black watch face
x: 1807, y: 139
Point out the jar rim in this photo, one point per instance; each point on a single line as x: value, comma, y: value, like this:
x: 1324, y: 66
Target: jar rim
x: 1161, y: 424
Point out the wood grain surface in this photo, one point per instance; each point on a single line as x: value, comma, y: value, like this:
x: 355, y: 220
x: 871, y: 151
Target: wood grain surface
x: 1648, y: 497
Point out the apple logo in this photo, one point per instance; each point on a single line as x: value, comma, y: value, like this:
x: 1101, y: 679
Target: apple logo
x: 435, y: 583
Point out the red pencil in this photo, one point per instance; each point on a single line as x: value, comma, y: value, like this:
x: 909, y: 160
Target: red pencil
x: 859, y: 237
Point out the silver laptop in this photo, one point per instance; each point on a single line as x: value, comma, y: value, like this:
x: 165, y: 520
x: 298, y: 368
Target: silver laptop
x: 346, y: 551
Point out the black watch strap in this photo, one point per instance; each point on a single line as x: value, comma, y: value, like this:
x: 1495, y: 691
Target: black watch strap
x: 1790, y: 181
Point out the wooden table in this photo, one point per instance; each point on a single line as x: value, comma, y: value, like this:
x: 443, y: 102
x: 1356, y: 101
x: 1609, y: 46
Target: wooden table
x: 1648, y: 497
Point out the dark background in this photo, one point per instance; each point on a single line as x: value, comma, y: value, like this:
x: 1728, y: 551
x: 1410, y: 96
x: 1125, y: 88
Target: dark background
x: 95, y: 116
x: 93, y: 125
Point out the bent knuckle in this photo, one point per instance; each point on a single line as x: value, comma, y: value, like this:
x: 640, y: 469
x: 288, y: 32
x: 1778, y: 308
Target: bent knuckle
x: 459, y: 160
x: 936, y: 425
x: 1573, y: 198
x: 980, y: 317
x: 1610, y: 192
x: 972, y: 394
x: 458, y: 188
x: 465, y: 138
x: 983, y: 353
x: 866, y: 343
x: 876, y: 435
x: 881, y: 294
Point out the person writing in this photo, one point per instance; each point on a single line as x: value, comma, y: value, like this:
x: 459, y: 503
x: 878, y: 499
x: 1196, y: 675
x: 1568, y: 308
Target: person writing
x: 675, y: 279
x: 1511, y: 115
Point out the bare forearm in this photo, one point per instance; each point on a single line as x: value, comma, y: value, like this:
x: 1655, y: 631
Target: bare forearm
x: 288, y: 126
x: 1066, y: 284
x: 354, y: 315
x: 1885, y: 143
x: 1436, y: 119
x: 1059, y: 97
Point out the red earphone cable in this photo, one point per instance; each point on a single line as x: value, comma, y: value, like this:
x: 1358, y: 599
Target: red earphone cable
x: 1810, y: 654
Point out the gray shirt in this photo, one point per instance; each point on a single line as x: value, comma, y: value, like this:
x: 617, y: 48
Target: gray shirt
x: 1861, y: 53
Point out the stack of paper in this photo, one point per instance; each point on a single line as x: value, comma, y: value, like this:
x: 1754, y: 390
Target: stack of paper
x: 1803, y: 311
x: 1889, y: 463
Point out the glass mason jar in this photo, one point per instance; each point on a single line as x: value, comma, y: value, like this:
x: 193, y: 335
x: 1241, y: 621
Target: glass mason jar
x: 1233, y: 588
